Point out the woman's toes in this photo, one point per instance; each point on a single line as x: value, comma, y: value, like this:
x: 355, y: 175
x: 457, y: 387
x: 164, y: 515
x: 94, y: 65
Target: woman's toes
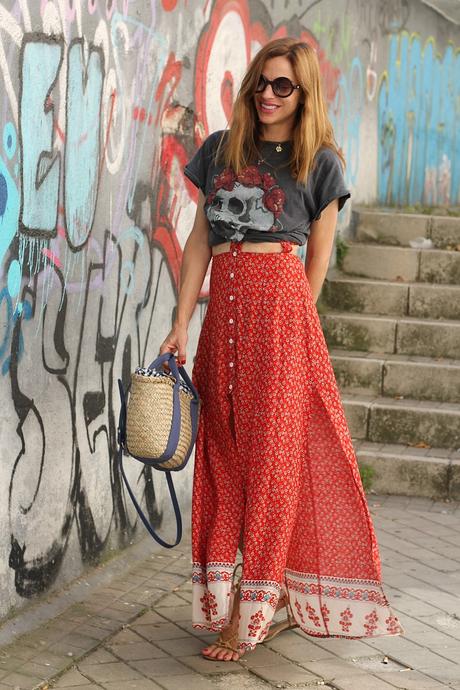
x: 209, y: 651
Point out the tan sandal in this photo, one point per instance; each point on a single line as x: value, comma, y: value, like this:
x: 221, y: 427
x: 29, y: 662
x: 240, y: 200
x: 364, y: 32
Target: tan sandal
x: 287, y: 624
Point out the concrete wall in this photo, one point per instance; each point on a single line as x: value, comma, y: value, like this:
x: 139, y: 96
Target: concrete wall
x: 101, y: 103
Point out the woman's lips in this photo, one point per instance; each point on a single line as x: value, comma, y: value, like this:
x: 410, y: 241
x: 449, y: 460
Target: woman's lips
x: 268, y: 107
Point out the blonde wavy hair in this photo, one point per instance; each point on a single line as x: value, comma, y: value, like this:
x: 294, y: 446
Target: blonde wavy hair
x: 312, y: 129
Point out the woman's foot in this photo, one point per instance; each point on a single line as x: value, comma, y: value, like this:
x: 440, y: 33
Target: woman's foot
x: 224, y: 649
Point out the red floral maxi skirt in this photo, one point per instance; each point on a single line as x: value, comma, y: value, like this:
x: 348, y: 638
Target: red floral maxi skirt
x: 275, y: 464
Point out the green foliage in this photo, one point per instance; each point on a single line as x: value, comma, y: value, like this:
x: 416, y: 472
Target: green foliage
x: 366, y: 473
x: 341, y: 250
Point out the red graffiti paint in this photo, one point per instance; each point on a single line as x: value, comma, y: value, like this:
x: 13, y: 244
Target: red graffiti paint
x: 169, y: 5
x: 167, y: 85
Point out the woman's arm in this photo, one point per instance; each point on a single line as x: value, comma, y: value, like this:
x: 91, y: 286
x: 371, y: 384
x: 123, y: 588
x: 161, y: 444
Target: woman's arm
x: 319, y: 247
x: 195, y: 260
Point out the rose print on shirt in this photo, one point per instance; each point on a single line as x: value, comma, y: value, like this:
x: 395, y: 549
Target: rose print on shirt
x: 249, y: 201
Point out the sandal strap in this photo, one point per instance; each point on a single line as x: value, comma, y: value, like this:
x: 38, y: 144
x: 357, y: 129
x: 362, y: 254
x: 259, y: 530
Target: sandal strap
x: 238, y: 565
x: 227, y: 643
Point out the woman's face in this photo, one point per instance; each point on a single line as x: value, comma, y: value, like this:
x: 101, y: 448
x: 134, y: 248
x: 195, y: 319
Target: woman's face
x: 271, y: 109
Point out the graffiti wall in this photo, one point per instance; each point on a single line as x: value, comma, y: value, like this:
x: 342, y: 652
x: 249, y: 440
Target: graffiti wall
x: 101, y: 104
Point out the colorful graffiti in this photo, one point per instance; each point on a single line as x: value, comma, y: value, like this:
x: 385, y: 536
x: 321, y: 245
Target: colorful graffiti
x: 419, y: 123
x: 101, y: 108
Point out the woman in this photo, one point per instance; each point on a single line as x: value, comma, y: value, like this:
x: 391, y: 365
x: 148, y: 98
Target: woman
x: 275, y: 471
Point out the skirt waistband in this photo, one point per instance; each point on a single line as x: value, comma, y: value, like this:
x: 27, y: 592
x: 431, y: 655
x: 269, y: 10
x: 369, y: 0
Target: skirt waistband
x: 254, y: 247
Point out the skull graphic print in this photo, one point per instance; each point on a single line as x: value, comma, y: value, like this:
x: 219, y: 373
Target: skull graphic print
x: 251, y: 200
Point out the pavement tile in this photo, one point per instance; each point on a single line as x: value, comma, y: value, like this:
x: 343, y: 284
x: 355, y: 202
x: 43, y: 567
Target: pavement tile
x: 261, y: 656
x: 191, y: 681
x: 171, y: 600
x: 108, y: 624
x: 42, y: 671
x: 127, y: 607
x: 116, y: 671
x: 91, y: 686
x: 139, y: 650
x: 362, y: 683
x: 19, y: 650
x: 285, y: 673
x: 10, y: 663
x: 410, y: 680
x: 138, y: 684
x: 46, y: 658
x: 342, y: 647
x: 182, y: 647
x: 72, y: 678
x: 176, y: 613
x: 100, y: 656
x: 83, y: 642
x: 92, y: 631
x: 298, y: 651
x: 150, y: 617
x: 201, y: 665
x: 125, y: 636
x: 20, y: 681
x: 159, y: 631
x: 444, y: 672
x: 166, y: 666
x: 332, y: 669
x: 67, y: 650
x: 124, y: 615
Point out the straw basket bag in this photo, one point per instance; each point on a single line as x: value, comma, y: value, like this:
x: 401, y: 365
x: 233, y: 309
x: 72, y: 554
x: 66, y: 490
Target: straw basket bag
x: 158, y: 425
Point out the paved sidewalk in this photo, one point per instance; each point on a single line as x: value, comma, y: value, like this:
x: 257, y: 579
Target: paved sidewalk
x: 134, y: 632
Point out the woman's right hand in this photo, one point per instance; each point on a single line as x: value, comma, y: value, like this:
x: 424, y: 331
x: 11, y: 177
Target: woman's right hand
x: 175, y: 341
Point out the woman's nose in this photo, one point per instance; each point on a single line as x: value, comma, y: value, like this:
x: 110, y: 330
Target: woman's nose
x: 270, y: 87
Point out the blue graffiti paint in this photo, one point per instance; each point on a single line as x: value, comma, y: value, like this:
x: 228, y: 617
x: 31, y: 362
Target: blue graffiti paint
x: 345, y: 113
x: 9, y: 140
x: 9, y: 207
x: 14, y: 278
x: 3, y: 195
x: 82, y: 152
x: 418, y: 124
x: 41, y: 60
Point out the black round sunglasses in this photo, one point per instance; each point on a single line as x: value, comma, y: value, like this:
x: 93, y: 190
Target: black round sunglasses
x: 281, y: 86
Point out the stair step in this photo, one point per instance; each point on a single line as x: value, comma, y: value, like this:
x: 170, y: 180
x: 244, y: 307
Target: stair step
x: 422, y: 378
x: 383, y: 334
x: 373, y: 296
x: 402, y: 264
x: 408, y: 471
x: 389, y: 420
x: 395, y: 228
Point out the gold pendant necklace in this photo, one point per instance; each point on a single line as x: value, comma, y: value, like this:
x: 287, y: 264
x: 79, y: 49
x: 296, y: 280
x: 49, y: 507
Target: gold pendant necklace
x: 262, y: 159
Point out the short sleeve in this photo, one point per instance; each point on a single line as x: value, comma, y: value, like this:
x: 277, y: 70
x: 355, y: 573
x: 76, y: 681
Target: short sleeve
x: 328, y: 182
x: 197, y: 168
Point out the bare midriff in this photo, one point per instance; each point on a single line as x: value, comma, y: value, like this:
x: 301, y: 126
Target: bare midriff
x: 275, y: 247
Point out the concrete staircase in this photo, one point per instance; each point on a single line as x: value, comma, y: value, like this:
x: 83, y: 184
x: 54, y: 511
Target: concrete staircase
x: 391, y: 318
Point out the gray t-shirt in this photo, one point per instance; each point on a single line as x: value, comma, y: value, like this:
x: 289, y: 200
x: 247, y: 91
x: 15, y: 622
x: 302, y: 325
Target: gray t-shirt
x: 264, y: 202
